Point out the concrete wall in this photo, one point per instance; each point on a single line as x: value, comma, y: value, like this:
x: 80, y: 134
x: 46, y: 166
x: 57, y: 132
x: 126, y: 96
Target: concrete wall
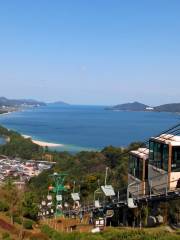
x: 174, y: 177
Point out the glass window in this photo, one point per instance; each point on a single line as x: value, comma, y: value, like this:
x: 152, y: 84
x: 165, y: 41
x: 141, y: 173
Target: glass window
x: 141, y: 169
x: 136, y: 167
x: 175, y: 164
x: 151, y: 150
x: 146, y: 170
x: 165, y: 156
x: 131, y: 165
x: 159, y: 155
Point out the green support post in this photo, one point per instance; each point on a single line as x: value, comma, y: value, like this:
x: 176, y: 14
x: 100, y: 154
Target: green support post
x: 58, y: 189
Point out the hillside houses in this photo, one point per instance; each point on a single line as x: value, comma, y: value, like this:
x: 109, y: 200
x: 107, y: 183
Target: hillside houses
x: 19, y: 170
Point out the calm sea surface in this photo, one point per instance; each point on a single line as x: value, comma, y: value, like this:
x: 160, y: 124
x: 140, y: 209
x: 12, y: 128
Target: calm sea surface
x: 2, y: 141
x: 87, y: 127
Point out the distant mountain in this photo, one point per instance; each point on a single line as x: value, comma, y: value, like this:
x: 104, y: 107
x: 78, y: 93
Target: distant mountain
x: 135, y: 106
x: 171, y: 107
x: 19, y: 102
x: 60, y: 103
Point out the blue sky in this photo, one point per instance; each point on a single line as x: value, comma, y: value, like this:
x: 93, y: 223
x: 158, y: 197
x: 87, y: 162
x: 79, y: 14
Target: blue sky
x: 90, y: 51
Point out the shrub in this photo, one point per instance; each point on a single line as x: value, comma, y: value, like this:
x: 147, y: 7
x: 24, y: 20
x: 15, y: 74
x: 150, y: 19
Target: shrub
x: 6, y: 236
x: 3, y: 206
x: 111, y: 234
x: 27, y: 224
x: 47, y: 230
x: 18, y: 220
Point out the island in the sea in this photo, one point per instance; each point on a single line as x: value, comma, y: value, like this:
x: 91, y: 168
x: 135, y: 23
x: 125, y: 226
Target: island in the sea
x: 137, y: 106
x: 60, y: 103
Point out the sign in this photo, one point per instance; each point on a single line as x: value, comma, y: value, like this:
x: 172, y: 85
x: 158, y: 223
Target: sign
x: 59, y: 197
x: 75, y: 196
x: 108, y: 190
x: 100, y: 222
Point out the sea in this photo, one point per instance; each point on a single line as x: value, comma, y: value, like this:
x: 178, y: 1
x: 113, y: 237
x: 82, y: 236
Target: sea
x: 2, y: 141
x: 86, y: 128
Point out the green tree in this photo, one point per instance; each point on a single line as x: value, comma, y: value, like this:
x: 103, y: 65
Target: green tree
x: 29, y: 205
x: 12, y: 197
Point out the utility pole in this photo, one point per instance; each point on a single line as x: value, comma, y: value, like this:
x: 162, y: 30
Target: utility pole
x: 105, y: 182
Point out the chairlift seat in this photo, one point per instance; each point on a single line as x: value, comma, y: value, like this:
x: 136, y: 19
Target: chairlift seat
x: 43, y: 203
x: 75, y: 196
x: 49, y: 197
x: 131, y: 203
x: 97, y: 204
x: 49, y: 204
x: 108, y: 190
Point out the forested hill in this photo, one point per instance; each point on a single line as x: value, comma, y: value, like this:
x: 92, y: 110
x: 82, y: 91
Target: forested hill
x: 19, y: 102
x: 86, y: 168
x: 60, y: 103
x: 171, y: 107
x: 136, y: 106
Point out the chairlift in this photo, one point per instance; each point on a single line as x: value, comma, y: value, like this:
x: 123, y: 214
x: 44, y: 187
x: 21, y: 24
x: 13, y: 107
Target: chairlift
x: 75, y: 196
x: 97, y: 204
x: 131, y: 203
x: 49, y: 204
x: 49, y: 197
x: 59, y: 206
x: 109, y: 213
x: 43, y: 203
x: 97, y: 193
x: 77, y: 204
x: 108, y: 190
x: 66, y: 205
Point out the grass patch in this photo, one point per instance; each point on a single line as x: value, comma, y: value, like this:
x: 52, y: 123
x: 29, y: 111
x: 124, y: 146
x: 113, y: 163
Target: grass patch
x: 113, y: 234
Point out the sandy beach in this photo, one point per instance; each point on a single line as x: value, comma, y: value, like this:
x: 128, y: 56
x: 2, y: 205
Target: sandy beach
x: 43, y: 143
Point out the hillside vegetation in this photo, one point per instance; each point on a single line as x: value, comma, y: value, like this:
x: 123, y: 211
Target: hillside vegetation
x: 114, y: 234
x: 18, y: 146
x: 86, y: 168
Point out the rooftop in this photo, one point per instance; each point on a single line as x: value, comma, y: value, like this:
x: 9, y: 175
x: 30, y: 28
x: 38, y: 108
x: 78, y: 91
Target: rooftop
x: 174, y: 140
x: 142, y: 153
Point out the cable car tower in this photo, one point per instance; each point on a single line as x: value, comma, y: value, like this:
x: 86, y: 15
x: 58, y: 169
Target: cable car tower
x: 58, y: 189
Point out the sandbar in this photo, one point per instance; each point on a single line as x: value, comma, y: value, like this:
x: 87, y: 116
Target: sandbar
x: 43, y: 143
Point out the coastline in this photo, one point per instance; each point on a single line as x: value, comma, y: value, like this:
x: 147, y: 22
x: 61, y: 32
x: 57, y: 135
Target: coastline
x: 5, y: 113
x: 43, y: 143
